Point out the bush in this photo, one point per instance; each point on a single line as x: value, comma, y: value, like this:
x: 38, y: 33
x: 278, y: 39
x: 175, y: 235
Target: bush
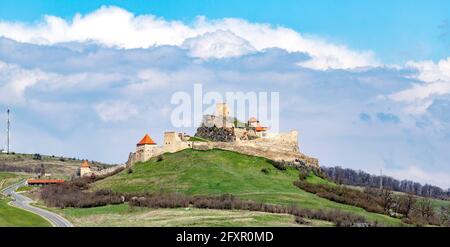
x: 301, y: 220
x: 412, y: 211
x: 302, y: 176
x: 265, y: 171
x: 37, y: 157
x: 280, y: 165
x: 71, y: 194
x: 230, y: 202
x: 159, y: 158
x: 345, y: 195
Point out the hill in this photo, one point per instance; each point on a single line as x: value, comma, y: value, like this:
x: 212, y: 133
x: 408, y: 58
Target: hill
x: 59, y: 167
x: 217, y: 172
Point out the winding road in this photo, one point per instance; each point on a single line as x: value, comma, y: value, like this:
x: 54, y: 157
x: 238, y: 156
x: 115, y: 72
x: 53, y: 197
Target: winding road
x: 23, y: 202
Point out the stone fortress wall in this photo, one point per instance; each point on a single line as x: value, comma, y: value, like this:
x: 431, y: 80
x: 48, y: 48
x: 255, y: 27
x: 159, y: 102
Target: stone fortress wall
x: 87, y: 171
x: 109, y: 170
x: 173, y: 142
x: 247, y: 140
x: 279, y: 148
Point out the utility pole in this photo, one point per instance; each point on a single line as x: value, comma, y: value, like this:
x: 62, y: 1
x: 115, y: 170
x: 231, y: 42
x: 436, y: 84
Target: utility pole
x: 8, y: 123
x: 381, y: 179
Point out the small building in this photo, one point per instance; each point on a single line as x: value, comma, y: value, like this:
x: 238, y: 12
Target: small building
x: 253, y: 122
x: 85, y: 169
x: 260, y: 130
x: 147, y: 148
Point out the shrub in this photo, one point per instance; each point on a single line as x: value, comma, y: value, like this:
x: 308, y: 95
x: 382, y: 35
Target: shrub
x: 230, y: 202
x: 71, y: 194
x: 37, y: 157
x: 444, y: 215
x: 412, y: 211
x: 159, y: 158
x: 302, y: 176
x: 300, y: 220
x: 265, y: 171
x: 280, y: 165
x: 344, y: 195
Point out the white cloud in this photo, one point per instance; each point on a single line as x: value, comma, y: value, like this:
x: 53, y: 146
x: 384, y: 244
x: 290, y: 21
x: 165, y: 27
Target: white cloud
x: 152, y: 80
x: 113, y: 111
x: 113, y: 26
x: 430, y: 71
x: 219, y: 44
x: 436, y: 82
x: 15, y: 80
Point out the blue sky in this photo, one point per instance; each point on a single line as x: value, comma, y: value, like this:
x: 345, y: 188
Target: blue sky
x: 367, y: 85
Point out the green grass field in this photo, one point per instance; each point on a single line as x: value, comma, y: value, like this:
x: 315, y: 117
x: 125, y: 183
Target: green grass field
x: 24, y: 188
x: 216, y: 172
x: 11, y: 216
x: 123, y: 215
x: 8, y: 178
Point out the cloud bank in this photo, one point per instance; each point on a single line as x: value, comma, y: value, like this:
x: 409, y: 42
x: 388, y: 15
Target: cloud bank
x: 116, y: 27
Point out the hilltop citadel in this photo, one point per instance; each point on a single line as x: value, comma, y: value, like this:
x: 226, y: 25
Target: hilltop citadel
x: 225, y: 132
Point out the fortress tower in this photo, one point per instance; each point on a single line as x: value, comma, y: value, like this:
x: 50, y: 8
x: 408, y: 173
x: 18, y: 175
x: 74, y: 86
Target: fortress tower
x: 222, y: 110
x: 147, y: 148
x: 85, y: 169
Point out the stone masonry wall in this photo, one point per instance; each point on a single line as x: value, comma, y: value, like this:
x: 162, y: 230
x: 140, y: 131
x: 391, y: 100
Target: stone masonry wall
x: 260, y: 149
x: 278, y: 147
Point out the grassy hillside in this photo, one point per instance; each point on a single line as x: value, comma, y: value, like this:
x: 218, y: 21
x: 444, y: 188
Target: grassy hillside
x: 11, y: 216
x: 216, y: 172
x: 60, y: 167
x: 122, y: 215
x: 8, y: 178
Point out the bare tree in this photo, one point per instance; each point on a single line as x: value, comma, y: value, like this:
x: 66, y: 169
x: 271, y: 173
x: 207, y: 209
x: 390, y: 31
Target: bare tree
x: 425, y: 210
x: 444, y: 215
x: 387, y: 199
x: 405, y: 204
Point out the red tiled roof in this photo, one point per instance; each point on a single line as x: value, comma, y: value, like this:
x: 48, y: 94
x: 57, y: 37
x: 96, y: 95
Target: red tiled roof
x: 45, y: 181
x: 146, y: 140
x: 259, y: 128
x: 85, y: 164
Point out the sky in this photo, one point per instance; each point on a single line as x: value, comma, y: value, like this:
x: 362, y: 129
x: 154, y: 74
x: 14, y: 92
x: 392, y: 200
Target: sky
x: 366, y: 84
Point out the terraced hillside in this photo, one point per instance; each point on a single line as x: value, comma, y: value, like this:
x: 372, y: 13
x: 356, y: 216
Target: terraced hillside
x: 216, y: 172
x: 60, y: 167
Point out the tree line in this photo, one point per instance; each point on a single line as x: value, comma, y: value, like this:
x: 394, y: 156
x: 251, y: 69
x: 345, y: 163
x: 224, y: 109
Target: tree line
x: 360, y: 178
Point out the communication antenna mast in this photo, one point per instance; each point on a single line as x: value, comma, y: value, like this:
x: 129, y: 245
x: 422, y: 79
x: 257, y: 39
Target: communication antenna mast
x: 381, y: 178
x: 8, y: 123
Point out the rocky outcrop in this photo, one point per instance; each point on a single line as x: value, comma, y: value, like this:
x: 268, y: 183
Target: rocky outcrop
x: 216, y: 134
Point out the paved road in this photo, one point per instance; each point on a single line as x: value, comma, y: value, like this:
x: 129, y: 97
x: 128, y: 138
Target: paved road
x: 23, y: 202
